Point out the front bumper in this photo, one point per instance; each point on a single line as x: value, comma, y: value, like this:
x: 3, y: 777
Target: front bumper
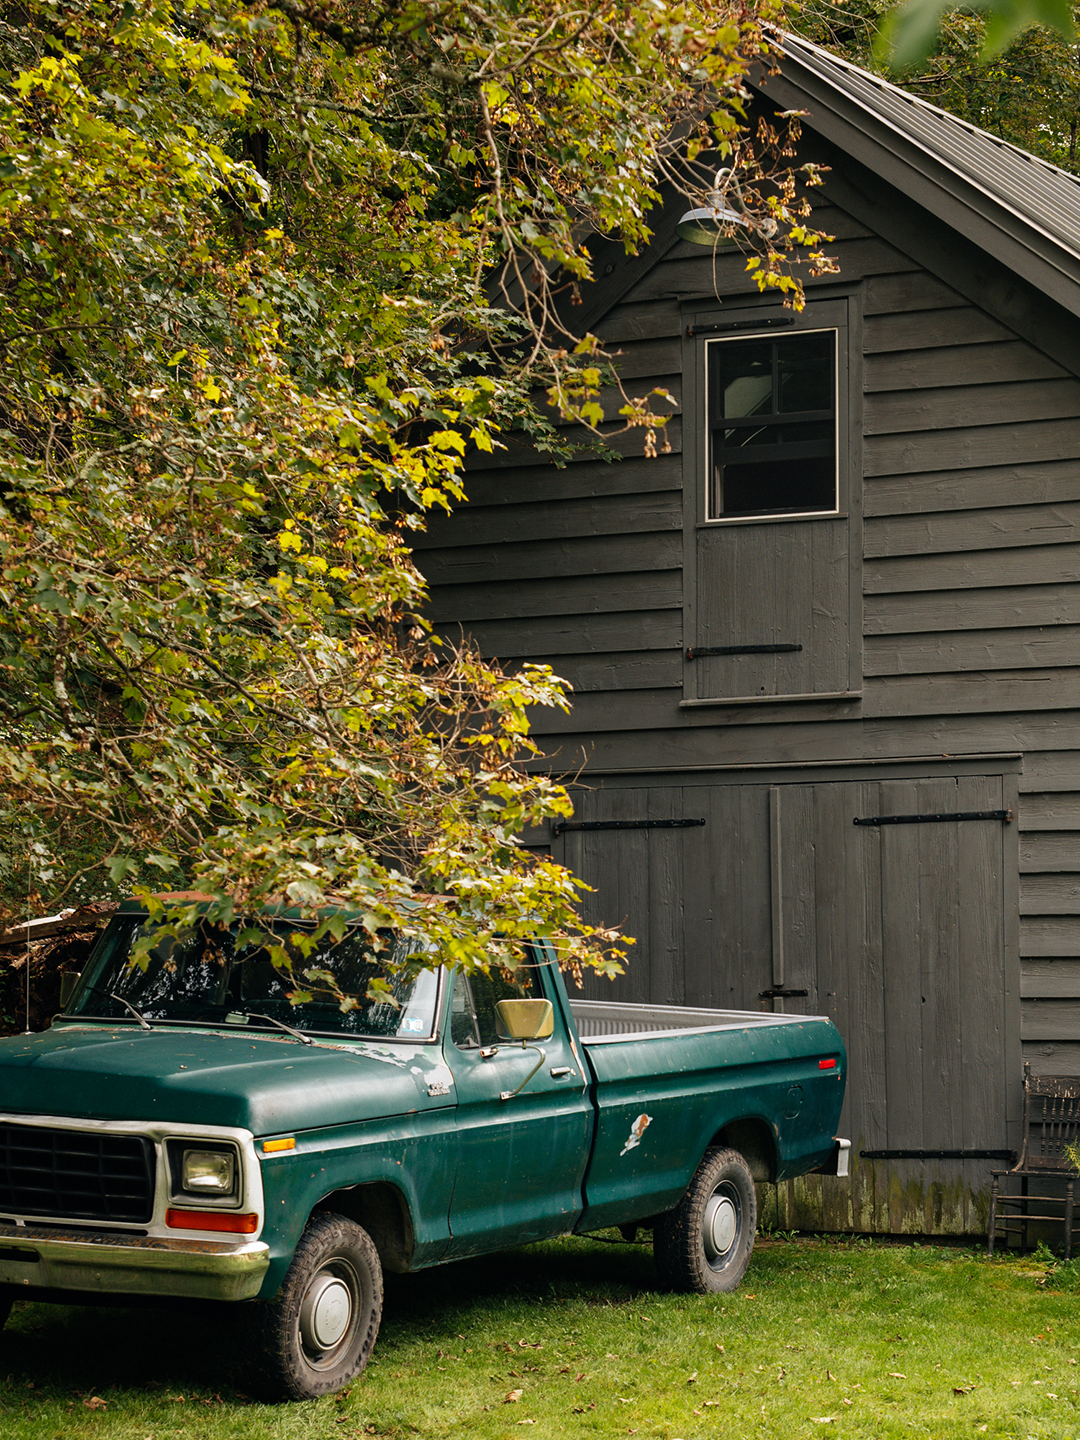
x: 55, y: 1259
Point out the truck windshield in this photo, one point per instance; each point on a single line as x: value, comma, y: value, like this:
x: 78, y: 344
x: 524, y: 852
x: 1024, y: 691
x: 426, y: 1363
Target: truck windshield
x: 204, y: 977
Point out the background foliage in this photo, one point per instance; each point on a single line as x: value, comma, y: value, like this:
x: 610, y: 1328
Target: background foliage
x: 1027, y: 91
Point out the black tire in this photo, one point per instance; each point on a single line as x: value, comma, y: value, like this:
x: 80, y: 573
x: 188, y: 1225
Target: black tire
x: 704, y: 1244
x: 318, y: 1334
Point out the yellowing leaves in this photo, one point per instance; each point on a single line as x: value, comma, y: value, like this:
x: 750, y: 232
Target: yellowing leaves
x: 448, y: 440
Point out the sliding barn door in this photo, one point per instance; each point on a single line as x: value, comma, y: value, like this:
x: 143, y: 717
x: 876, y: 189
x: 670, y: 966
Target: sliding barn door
x: 894, y: 928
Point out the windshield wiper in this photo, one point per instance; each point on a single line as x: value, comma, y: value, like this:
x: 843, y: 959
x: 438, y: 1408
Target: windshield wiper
x: 127, y: 1006
x: 289, y: 1029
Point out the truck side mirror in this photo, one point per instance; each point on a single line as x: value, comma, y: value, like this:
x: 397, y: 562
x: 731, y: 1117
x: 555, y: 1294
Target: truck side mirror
x: 524, y: 1019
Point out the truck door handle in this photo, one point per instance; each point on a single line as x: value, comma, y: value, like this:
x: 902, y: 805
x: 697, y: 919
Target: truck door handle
x: 560, y: 1070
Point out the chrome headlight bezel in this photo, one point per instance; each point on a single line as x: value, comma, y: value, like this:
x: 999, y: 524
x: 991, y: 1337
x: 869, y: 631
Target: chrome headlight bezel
x: 192, y: 1161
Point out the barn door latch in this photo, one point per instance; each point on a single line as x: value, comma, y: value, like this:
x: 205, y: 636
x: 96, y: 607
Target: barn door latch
x: 561, y: 826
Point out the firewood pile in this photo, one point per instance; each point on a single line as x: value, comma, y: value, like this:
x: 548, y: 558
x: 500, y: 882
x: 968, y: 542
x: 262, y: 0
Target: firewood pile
x: 49, y: 946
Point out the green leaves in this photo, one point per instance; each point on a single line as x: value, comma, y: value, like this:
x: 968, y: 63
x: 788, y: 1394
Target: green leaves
x: 246, y: 280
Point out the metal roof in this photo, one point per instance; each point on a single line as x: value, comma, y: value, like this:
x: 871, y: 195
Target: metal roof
x: 1038, y: 203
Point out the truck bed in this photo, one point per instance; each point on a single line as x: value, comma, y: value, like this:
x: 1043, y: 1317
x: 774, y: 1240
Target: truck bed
x: 599, y: 1021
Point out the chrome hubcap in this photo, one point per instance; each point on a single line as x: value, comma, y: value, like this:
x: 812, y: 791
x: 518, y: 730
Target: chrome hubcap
x: 721, y: 1225
x: 325, y: 1313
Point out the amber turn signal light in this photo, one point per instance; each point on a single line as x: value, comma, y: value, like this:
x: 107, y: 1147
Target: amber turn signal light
x: 269, y: 1146
x: 211, y: 1220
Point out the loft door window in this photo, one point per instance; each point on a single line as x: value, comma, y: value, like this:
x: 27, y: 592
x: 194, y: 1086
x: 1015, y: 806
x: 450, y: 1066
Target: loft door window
x: 772, y: 426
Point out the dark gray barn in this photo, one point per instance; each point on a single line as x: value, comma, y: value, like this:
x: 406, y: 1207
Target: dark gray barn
x: 913, y: 562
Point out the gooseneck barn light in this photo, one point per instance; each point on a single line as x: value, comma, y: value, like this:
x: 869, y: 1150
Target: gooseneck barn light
x: 716, y: 223
x: 708, y: 223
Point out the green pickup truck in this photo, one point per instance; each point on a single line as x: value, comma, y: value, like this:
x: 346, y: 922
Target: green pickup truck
x: 185, y: 1130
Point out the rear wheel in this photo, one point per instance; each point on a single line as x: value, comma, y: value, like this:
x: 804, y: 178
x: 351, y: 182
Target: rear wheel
x: 704, y: 1244
x: 320, y: 1331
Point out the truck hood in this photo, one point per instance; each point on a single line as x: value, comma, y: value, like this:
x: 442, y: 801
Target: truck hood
x: 255, y: 1081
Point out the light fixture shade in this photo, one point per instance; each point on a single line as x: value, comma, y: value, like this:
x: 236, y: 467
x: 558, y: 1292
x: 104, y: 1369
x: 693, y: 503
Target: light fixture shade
x: 705, y: 225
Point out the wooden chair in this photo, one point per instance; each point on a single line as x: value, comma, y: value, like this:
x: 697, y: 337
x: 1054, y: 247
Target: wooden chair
x: 1051, y: 1121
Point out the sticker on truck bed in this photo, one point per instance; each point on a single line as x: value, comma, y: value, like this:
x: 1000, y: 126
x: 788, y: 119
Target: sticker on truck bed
x: 637, y: 1130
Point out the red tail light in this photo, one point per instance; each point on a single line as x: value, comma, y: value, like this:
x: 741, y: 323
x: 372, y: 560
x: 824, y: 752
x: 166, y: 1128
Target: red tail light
x: 826, y: 1064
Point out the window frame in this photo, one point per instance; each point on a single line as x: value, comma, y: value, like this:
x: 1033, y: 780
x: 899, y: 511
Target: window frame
x: 713, y: 424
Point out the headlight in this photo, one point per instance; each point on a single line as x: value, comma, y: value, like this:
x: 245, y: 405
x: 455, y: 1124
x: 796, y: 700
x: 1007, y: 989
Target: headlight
x: 209, y: 1172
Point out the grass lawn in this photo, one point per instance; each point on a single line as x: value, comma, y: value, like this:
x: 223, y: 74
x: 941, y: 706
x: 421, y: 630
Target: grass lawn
x: 571, y: 1339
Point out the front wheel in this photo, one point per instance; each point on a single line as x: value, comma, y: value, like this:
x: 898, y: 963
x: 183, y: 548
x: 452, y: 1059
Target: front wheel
x: 320, y: 1331
x: 704, y: 1244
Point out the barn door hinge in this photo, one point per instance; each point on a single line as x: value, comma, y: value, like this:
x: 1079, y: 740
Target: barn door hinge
x: 1009, y: 1155
x: 780, y: 992
x: 561, y: 826
x: 1003, y: 815
x: 695, y: 652
x: 770, y: 322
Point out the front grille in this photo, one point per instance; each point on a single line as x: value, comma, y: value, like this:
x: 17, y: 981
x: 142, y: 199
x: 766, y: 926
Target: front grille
x: 72, y: 1173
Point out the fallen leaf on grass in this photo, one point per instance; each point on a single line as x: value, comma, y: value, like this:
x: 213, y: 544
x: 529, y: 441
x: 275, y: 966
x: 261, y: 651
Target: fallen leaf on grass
x: 95, y: 1402
x: 513, y: 1397
x: 526, y: 1422
x: 896, y: 1375
x: 845, y: 1401
x: 963, y: 1389
x: 580, y: 1409
x: 824, y: 1419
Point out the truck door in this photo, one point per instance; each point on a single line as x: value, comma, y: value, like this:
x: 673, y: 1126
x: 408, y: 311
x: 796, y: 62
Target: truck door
x: 521, y: 1160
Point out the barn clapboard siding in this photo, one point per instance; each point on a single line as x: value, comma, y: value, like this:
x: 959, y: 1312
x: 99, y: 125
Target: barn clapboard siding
x: 944, y: 605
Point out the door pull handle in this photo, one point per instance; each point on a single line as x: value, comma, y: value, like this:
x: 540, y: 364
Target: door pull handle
x: 559, y: 1071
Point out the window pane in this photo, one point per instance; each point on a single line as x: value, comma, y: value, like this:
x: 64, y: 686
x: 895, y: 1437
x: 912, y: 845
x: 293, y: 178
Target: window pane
x: 745, y: 378
x: 805, y: 373
x: 777, y: 487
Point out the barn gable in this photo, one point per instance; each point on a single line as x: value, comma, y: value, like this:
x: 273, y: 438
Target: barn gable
x: 896, y: 636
